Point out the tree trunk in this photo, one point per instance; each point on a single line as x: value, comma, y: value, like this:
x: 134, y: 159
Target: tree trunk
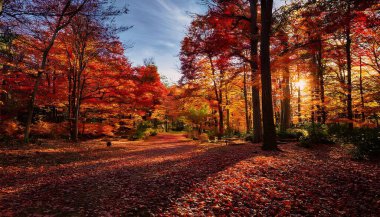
x: 299, y: 101
x: 269, y: 142
x: 35, y: 90
x: 76, y: 124
x: 166, y: 124
x: 349, y: 76
x: 361, y: 90
x: 73, y: 104
x: 245, y: 92
x: 299, y: 106
x: 221, y: 122
x: 227, y: 110
x: 254, y: 40
x: 321, y: 82
x: 83, y: 124
x: 219, y: 98
x: 285, y: 102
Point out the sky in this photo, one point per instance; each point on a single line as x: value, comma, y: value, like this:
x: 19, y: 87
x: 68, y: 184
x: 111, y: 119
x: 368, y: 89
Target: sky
x: 158, y: 28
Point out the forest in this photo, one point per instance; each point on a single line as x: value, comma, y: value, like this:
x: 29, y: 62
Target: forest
x: 276, y: 112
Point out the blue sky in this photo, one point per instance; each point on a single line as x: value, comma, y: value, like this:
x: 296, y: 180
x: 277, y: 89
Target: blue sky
x: 159, y: 27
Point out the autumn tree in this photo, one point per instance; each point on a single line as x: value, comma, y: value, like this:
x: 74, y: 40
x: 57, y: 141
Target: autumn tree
x: 44, y: 20
x: 245, y: 26
x: 87, y: 39
x: 205, y: 57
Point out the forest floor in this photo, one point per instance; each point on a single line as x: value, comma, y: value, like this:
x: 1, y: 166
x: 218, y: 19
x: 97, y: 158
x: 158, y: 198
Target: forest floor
x: 171, y: 175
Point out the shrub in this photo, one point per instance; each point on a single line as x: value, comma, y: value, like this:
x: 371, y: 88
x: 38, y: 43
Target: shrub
x: 367, y: 143
x: 193, y: 134
x: 142, y: 131
x: 229, y: 133
x: 316, y: 134
x: 249, y: 137
x: 10, y: 133
x: 92, y: 129
x: 41, y: 128
x: 338, y: 129
x: 10, y: 128
x: 204, y: 137
x: 107, y: 130
x: 178, y: 125
x: 150, y: 132
x: 365, y: 140
x: 59, y: 130
x: 211, y: 134
x: 294, y: 133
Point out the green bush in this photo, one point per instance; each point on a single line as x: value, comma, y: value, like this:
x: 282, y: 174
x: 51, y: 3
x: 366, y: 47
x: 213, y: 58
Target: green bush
x: 294, y: 133
x: 178, y: 125
x: 229, y: 133
x: 365, y: 140
x: 154, y: 133
x: 212, y: 134
x: 249, y: 137
x: 142, y: 131
x: 316, y: 134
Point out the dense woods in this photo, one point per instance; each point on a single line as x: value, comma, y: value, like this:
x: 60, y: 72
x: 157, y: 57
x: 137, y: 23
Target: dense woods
x: 308, y: 63
x: 276, y: 112
x: 64, y: 70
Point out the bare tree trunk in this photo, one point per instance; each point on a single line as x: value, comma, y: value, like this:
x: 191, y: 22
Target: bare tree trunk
x: 254, y: 40
x: 269, y: 139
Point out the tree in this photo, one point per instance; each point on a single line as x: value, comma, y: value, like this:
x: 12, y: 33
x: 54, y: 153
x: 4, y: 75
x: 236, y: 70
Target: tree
x: 269, y: 138
x: 244, y: 15
x: 205, y: 57
x: 254, y: 39
x: 44, y: 21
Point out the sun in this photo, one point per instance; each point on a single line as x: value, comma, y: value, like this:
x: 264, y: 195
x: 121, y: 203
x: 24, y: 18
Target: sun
x: 301, y: 84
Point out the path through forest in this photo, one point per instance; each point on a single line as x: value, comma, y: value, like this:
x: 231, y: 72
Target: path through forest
x: 169, y: 174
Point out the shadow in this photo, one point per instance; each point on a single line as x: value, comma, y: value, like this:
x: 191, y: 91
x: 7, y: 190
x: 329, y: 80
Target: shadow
x: 50, y: 158
x: 53, y: 158
x: 137, y: 183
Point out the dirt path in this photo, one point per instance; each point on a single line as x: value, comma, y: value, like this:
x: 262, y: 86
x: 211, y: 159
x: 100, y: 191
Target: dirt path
x: 170, y: 175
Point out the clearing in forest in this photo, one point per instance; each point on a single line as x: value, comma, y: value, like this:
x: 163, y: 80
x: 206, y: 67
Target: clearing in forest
x: 171, y: 175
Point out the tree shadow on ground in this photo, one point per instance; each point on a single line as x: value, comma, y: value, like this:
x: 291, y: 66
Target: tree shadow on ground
x: 125, y: 186
x: 56, y: 155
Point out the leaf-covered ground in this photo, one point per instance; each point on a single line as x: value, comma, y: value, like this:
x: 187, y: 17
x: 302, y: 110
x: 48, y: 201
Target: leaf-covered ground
x: 170, y: 175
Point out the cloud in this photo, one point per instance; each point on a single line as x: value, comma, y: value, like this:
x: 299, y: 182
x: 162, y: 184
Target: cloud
x: 159, y: 26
